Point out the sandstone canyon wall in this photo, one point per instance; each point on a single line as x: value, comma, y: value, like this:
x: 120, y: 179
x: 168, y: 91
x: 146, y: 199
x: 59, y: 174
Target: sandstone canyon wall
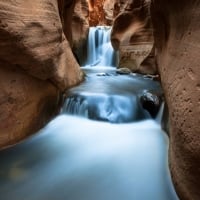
x: 177, y: 37
x: 177, y: 45
x: 80, y: 29
x: 132, y: 35
x: 96, y: 12
x: 36, y: 64
x: 101, y: 12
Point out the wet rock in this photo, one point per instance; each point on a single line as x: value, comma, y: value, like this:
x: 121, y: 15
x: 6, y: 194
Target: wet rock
x: 102, y: 74
x: 153, y: 77
x: 123, y: 71
x: 151, y: 102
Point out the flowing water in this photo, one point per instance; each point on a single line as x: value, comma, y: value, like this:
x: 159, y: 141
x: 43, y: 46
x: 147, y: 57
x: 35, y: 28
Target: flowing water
x: 80, y: 158
x: 100, y: 51
x: 108, y: 96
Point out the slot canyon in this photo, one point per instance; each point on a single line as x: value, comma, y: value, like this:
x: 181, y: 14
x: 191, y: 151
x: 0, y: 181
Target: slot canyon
x: 99, y: 99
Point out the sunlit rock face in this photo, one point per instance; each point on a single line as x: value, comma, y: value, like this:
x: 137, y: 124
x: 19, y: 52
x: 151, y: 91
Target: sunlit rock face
x: 109, y: 11
x: 101, y: 12
x: 177, y: 39
x: 36, y: 63
x: 132, y: 35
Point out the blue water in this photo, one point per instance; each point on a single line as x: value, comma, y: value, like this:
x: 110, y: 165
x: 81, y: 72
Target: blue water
x: 79, y: 159
x: 76, y: 158
x: 99, y: 49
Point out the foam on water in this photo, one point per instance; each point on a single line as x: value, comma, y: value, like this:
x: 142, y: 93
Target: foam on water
x: 99, y: 49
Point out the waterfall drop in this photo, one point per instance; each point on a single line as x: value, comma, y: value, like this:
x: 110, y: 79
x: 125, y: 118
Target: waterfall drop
x: 99, y: 49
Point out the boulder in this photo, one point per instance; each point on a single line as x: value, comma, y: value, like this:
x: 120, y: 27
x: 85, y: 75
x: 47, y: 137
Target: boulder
x: 177, y: 39
x: 151, y: 102
x: 123, y: 71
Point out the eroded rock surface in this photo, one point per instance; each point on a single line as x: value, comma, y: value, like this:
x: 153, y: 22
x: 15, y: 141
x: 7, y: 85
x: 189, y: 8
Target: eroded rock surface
x: 80, y: 29
x: 177, y: 39
x: 132, y: 35
x: 101, y: 12
x: 97, y: 15
x: 34, y: 51
x: 26, y: 104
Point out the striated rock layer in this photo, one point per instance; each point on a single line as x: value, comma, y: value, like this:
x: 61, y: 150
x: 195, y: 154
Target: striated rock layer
x: 36, y: 64
x: 177, y: 39
x: 132, y: 35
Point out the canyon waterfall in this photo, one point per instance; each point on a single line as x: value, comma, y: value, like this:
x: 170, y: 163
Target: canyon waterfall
x: 112, y: 149
x: 99, y: 49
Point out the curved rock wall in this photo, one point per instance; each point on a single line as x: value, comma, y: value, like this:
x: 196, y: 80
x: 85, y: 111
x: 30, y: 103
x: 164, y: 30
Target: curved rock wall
x: 36, y: 64
x: 132, y: 35
x: 80, y: 29
x: 177, y: 39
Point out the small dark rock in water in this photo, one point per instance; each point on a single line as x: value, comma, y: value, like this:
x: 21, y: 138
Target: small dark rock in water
x: 151, y: 102
x: 103, y: 74
x: 123, y: 71
x: 153, y: 77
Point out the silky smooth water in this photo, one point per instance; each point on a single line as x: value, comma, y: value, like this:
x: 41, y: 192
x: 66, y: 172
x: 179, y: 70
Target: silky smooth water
x: 108, y: 96
x: 99, y: 49
x: 79, y: 159
x: 75, y: 158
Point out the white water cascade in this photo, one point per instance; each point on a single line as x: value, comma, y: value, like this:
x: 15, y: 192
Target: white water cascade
x: 99, y: 49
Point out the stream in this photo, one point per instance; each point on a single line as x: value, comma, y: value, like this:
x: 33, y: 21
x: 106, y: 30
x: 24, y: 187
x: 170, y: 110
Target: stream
x: 106, y: 144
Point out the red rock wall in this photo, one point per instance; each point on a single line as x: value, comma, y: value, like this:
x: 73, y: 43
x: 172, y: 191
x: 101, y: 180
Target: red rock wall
x: 177, y: 41
x: 101, y: 12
